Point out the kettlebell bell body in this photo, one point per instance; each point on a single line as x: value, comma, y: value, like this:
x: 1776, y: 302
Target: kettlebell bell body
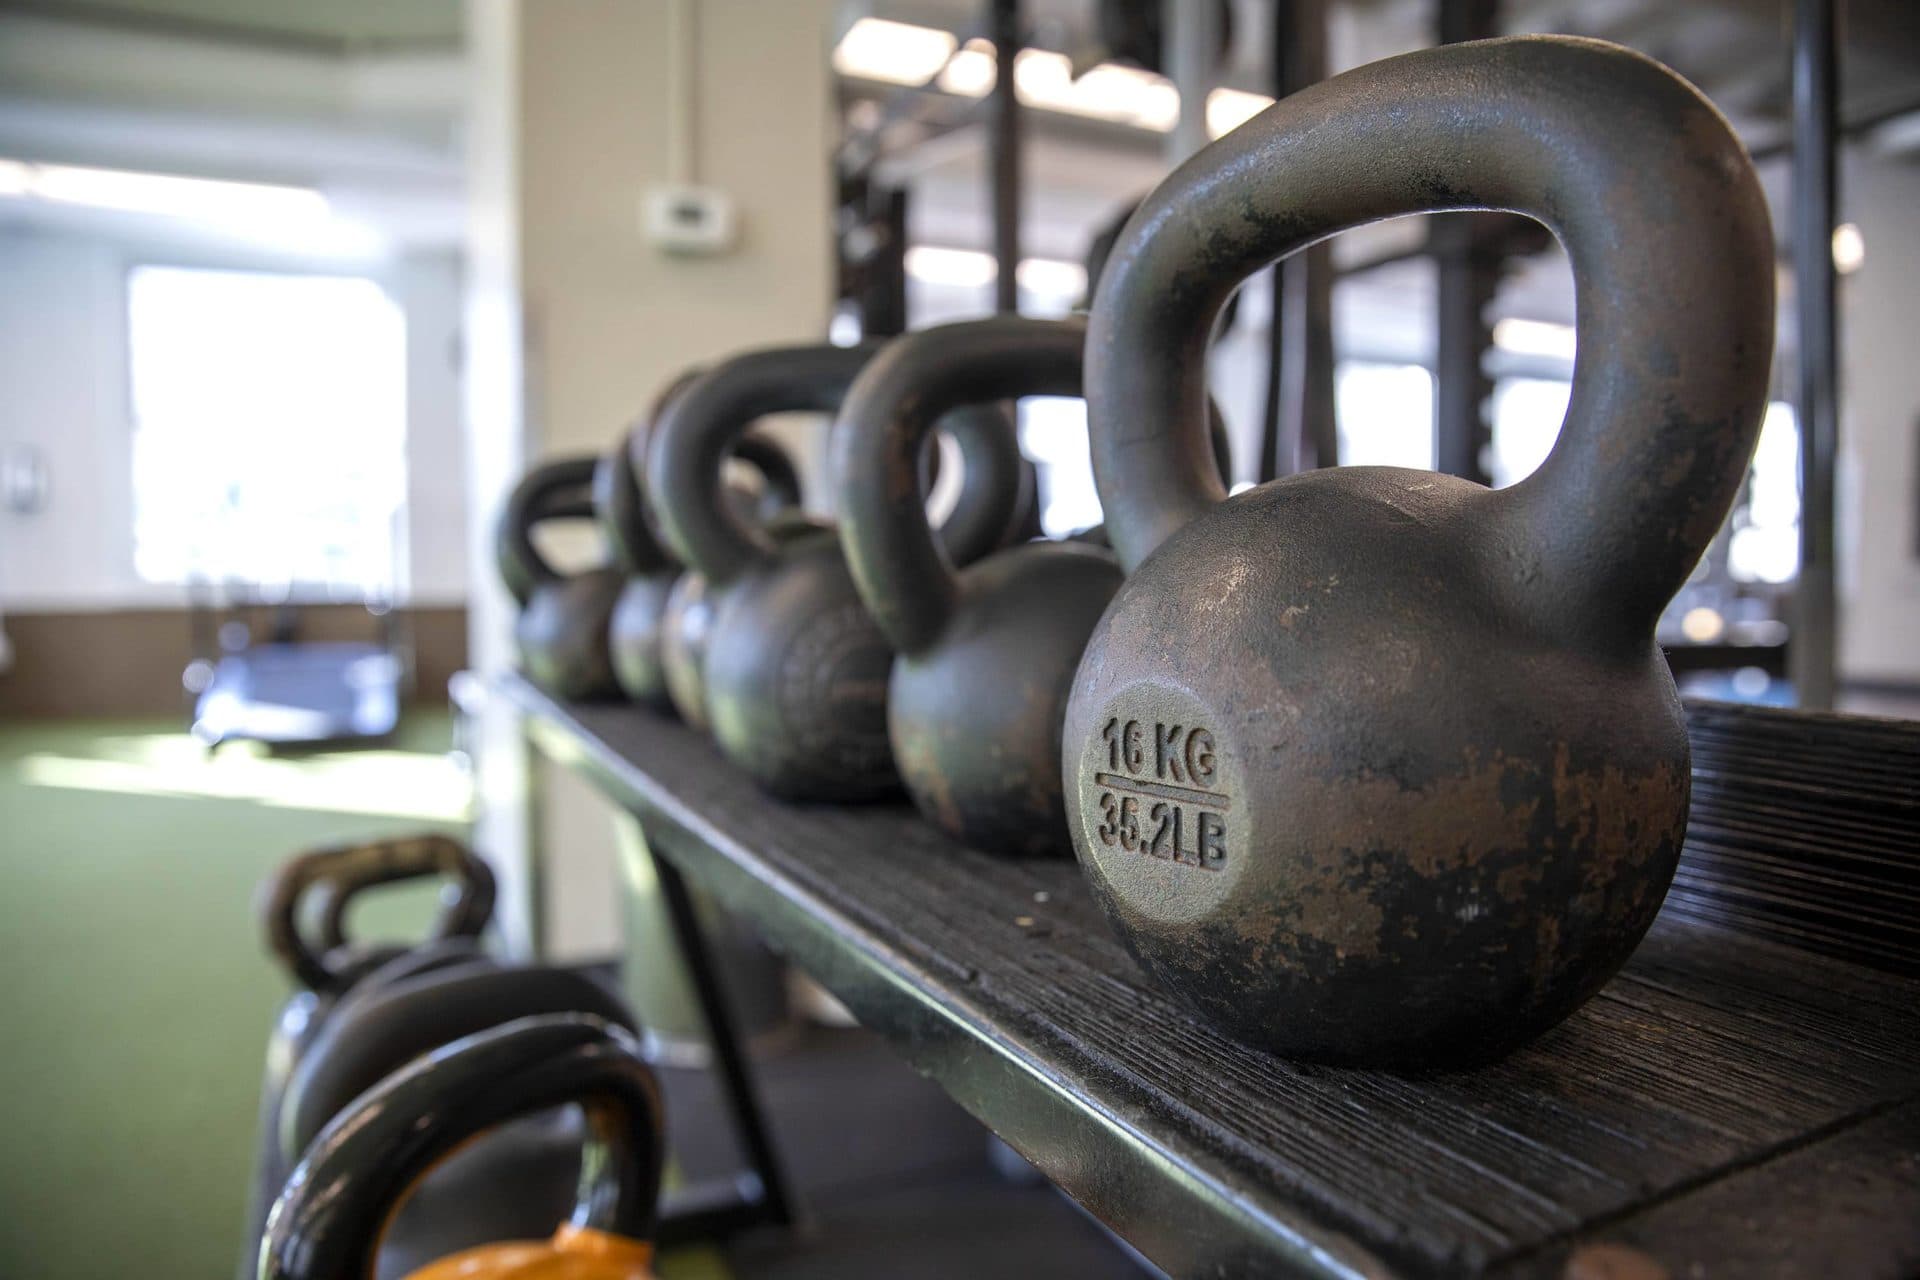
x: 985, y: 656
x: 637, y: 628
x: 1377, y: 766
x: 687, y: 621
x: 338, y: 1202
x: 561, y: 632
x: 795, y: 670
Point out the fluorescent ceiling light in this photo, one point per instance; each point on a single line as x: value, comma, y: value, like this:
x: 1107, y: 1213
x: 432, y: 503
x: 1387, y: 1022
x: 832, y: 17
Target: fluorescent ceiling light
x: 901, y: 53
x: 963, y: 268
x: 892, y: 52
x: 1849, y: 248
x: 199, y: 199
x: 972, y: 269
x: 1535, y: 338
x: 1053, y: 278
x: 971, y: 71
x: 1228, y: 109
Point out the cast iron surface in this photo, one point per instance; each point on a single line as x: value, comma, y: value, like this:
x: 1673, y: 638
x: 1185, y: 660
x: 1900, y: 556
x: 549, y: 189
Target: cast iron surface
x: 1379, y: 766
x: 1718, y: 1069
x: 562, y: 628
x: 984, y: 657
x: 795, y: 671
x: 338, y: 1201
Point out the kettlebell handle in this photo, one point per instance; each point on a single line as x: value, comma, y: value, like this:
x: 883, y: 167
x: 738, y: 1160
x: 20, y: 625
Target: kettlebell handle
x: 905, y: 573
x: 337, y: 1204
x: 773, y: 463
x: 557, y: 490
x: 617, y: 498
x: 684, y: 456
x: 1635, y: 172
x: 340, y: 872
x: 618, y: 504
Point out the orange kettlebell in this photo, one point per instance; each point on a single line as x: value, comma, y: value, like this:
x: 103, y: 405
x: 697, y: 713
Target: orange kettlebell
x: 328, y: 1222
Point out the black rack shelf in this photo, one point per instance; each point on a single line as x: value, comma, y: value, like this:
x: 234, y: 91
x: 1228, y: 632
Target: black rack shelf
x: 1732, y: 1099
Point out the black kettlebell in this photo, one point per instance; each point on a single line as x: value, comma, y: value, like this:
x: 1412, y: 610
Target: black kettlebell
x: 687, y: 621
x: 636, y: 628
x: 1378, y: 766
x: 518, y: 1177
x: 795, y: 673
x: 330, y: 1218
x: 1096, y: 535
x: 562, y: 628
x: 323, y: 883
x: 984, y: 658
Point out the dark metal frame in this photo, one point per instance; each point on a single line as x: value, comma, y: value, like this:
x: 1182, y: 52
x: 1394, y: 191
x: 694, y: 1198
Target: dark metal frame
x: 1011, y: 995
x: 760, y: 1196
x: 1004, y: 153
x: 1816, y: 396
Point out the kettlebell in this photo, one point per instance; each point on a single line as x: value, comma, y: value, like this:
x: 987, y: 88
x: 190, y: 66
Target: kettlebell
x: 984, y: 657
x: 795, y: 672
x: 687, y: 620
x: 329, y: 968
x: 635, y: 630
x: 1377, y: 766
x: 338, y: 1202
x: 517, y: 1178
x: 335, y: 875
x: 562, y: 628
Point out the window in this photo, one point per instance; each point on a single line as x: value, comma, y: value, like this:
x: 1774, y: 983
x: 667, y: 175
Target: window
x: 1527, y: 413
x: 1384, y: 414
x: 1765, y: 545
x: 1053, y: 432
x: 269, y: 418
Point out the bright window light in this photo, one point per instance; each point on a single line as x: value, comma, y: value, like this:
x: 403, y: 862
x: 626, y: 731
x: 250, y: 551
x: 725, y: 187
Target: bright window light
x: 269, y: 429
x: 1527, y: 413
x: 1765, y: 546
x: 892, y: 52
x: 1385, y: 414
x: 1535, y: 338
x: 16, y: 179
x: 1053, y: 432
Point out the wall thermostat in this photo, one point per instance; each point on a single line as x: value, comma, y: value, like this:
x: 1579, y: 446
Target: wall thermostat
x: 690, y: 220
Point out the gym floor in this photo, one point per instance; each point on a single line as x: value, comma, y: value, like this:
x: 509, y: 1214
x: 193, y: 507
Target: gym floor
x: 137, y: 1001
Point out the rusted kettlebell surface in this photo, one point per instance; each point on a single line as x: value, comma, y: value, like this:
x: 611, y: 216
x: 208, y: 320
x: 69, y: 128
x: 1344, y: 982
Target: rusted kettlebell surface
x: 795, y: 671
x: 637, y: 631
x: 562, y: 628
x: 1377, y: 766
x: 985, y: 656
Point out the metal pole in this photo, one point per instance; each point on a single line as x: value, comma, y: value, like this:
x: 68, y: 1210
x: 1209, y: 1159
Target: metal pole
x: 1192, y: 48
x: 1301, y: 429
x: 1468, y: 274
x: 1004, y: 146
x: 1811, y: 648
x: 730, y: 1055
